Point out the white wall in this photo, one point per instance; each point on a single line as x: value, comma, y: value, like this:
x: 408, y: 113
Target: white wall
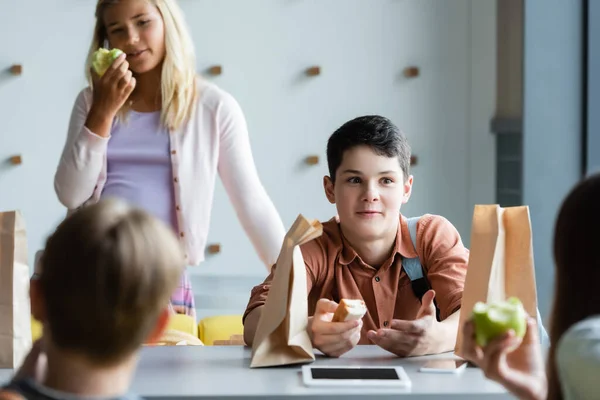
x: 50, y: 40
x: 264, y: 47
x: 552, y: 123
x: 482, y: 86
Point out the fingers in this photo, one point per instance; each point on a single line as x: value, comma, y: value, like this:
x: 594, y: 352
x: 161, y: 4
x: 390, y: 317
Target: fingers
x: 428, y: 298
x: 325, y: 327
x: 421, y: 323
x: 392, y: 335
x: 347, y: 339
x: 396, y: 342
x: 119, y: 73
x: 471, y: 350
x: 340, y: 347
x: 333, y: 338
x: 116, y: 66
x: 131, y: 86
x: 531, y: 334
x: 416, y: 326
x: 500, y: 344
x: 377, y: 337
x: 336, y: 344
x: 506, y: 343
x: 494, y: 354
x: 116, y: 85
x: 124, y: 81
x: 123, y: 68
x: 325, y: 306
x: 469, y: 329
x: 117, y: 70
x: 427, y: 305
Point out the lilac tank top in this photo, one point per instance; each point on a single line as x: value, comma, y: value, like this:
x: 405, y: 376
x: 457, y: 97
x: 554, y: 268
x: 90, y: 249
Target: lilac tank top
x: 139, y: 166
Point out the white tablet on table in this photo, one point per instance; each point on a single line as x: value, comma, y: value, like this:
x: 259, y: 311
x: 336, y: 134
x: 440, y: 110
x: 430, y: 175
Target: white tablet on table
x: 348, y: 376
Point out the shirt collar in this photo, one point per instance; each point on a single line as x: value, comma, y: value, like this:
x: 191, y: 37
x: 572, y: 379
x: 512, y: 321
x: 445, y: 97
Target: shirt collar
x: 404, y: 248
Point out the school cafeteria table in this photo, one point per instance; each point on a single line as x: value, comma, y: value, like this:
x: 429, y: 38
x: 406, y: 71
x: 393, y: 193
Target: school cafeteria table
x: 223, y: 372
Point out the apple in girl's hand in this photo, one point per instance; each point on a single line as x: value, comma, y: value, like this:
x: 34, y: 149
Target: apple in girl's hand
x: 103, y: 58
x: 496, y: 318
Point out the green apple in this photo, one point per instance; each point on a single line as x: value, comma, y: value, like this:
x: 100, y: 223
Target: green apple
x: 496, y: 318
x: 103, y: 58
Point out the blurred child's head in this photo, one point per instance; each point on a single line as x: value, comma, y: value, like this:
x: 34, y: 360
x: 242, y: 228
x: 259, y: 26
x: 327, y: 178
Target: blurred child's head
x: 369, y: 175
x: 154, y: 35
x: 107, y: 274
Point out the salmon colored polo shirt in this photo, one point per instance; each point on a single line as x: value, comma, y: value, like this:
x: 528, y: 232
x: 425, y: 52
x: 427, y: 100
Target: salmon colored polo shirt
x: 334, y: 271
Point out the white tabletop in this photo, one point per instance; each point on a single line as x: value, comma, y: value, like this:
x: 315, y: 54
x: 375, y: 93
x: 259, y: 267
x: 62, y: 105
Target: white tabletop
x: 223, y: 372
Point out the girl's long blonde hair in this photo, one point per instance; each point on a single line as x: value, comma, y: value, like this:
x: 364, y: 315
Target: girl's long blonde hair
x: 179, y: 89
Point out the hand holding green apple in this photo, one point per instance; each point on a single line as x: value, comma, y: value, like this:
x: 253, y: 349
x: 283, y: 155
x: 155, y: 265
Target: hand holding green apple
x: 113, y: 84
x: 103, y: 58
x: 497, y: 318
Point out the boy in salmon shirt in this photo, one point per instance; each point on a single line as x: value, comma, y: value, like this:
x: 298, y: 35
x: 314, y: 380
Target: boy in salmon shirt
x: 361, y: 253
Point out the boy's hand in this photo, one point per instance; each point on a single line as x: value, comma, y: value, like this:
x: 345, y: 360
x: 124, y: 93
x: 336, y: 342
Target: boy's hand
x: 332, y: 338
x: 412, y: 338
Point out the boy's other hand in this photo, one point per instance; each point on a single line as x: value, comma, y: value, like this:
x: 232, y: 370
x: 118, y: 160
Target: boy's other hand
x: 412, y: 338
x: 332, y: 338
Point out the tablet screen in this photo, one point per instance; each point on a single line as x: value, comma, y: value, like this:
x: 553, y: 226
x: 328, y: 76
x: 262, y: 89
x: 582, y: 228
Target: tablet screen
x: 355, y: 373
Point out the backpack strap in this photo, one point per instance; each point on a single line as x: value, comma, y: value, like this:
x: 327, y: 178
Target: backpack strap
x: 414, y: 268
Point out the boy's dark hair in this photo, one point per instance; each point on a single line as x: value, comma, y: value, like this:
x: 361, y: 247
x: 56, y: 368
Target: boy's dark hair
x: 377, y: 132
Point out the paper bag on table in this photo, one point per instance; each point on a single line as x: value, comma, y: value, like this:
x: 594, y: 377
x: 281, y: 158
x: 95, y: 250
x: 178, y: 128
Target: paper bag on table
x: 281, y: 336
x: 15, y: 313
x: 500, y: 261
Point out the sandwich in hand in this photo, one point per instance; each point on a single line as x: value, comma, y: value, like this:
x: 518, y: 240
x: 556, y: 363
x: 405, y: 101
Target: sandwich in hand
x: 349, y: 310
